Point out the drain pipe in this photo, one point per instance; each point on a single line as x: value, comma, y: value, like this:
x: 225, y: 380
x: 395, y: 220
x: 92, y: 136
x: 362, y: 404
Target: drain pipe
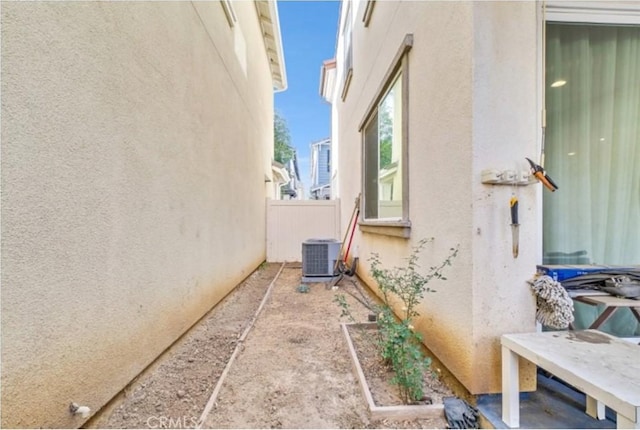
x: 214, y: 395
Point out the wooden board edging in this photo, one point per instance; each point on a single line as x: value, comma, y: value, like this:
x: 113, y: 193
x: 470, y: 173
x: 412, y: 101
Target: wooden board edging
x: 405, y: 412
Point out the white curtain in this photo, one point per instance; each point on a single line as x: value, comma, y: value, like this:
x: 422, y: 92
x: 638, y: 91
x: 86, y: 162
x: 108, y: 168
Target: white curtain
x: 593, y: 144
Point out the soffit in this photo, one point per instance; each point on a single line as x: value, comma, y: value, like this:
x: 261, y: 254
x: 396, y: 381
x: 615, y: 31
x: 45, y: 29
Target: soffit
x: 270, y: 24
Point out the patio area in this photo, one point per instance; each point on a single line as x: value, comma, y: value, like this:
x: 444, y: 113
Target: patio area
x: 554, y: 405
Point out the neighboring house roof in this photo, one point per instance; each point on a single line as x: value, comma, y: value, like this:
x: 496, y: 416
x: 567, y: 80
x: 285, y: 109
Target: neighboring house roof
x: 325, y: 141
x: 280, y: 174
x: 270, y: 23
x: 320, y: 187
x: 327, y: 79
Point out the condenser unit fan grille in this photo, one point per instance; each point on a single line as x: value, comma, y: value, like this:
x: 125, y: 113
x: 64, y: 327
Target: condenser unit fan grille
x: 319, y: 256
x: 315, y: 259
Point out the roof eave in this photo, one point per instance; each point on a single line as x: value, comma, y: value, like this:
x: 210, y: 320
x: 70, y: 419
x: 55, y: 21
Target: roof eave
x: 270, y: 24
x: 327, y: 79
x: 280, y: 174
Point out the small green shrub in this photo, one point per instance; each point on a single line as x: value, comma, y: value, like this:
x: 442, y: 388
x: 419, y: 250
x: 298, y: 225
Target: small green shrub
x: 399, y: 344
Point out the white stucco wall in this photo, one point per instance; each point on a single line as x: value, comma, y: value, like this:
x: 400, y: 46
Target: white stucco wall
x: 135, y: 141
x: 472, y: 106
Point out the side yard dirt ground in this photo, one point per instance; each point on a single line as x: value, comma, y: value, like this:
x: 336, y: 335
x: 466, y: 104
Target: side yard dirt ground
x: 293, y: 369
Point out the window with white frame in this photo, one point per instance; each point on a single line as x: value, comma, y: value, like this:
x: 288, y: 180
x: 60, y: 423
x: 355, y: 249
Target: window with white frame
x: 384, y: 135
x: 592, y: 140
x: 347, y: 51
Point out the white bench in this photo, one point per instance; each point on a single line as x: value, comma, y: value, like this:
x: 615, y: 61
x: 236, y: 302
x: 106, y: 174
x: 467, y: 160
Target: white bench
x: 605, y: 368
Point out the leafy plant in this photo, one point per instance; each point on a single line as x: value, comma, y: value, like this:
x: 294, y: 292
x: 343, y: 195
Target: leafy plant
x: 282, y: 149
x: 399, y: 344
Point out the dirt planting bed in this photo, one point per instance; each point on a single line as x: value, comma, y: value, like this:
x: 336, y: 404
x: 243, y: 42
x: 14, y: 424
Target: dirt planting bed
x: 293, y: 370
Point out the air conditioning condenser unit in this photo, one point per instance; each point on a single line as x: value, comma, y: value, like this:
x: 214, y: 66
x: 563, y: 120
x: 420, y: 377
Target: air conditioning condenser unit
x: 319, y: 259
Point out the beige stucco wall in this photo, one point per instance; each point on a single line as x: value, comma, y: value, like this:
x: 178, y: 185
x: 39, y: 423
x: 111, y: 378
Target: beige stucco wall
x: 134, y: 151
x: 472, y: 106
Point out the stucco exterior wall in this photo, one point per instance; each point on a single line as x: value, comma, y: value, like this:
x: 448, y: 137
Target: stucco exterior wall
x: 135, y: 141
x: 506, y: 129
x: 472, y: 106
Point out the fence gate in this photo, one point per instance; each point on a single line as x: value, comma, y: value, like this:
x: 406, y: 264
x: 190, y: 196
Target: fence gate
x: 291, y: 222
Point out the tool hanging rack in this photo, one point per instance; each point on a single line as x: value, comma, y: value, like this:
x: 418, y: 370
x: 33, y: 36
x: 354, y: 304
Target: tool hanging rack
x: 536, y: 172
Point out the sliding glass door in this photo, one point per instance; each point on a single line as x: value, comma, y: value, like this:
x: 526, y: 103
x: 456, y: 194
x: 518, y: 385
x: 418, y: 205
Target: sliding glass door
x: 592, y: 144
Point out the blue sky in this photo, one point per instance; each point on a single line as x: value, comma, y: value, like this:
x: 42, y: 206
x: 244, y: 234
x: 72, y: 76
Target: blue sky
x: 308, y: 31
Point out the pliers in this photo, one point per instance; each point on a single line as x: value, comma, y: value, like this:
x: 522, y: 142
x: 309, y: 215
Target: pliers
x: 539, y: 173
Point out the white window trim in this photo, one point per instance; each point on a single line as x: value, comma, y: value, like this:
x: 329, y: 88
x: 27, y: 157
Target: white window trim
x: 595, y: 12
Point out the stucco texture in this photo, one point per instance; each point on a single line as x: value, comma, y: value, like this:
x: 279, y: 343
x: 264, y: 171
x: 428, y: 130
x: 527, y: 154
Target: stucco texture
x: 472, y: 106
x: 135, y: 141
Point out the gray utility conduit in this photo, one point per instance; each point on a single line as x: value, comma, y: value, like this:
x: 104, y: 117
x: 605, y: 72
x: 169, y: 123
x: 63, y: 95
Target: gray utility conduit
x: 212, y: 400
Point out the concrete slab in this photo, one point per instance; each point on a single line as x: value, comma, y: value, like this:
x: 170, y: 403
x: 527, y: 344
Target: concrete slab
x: 554, y: 405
